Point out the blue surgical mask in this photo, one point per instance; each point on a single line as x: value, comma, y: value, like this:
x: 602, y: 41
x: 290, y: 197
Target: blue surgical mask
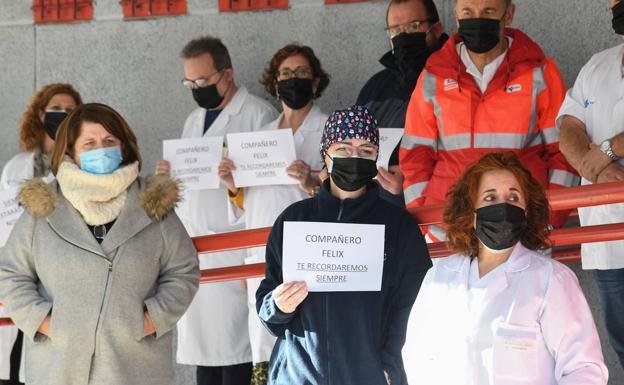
x: 103, y: 160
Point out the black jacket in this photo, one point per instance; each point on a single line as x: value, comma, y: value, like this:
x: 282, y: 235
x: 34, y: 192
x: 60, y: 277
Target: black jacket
x: 387, y: 95
x: 345, y: 338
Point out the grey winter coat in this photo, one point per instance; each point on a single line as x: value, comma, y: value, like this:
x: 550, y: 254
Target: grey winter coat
x: 96, y: 294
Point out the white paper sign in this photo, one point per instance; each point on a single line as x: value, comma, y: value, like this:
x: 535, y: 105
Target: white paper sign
x: 261, y: 158
x: 10, y: 212
x: 334, y: 256
x: 195, y: 161
x: 388, y: 140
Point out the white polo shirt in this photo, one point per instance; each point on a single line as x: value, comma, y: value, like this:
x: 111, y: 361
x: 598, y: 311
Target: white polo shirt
x: 597, y: 99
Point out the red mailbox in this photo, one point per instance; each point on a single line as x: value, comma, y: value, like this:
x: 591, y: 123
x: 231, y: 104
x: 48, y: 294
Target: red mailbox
x: 343, y: 1
x: 62, y: 11
x: 251, y: 5
x: 151, y: 8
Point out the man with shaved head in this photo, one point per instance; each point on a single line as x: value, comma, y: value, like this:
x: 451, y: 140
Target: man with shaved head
x: 489, y: 88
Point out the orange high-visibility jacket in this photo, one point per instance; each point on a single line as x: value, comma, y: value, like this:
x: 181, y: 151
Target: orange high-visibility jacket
x: 451, y: 124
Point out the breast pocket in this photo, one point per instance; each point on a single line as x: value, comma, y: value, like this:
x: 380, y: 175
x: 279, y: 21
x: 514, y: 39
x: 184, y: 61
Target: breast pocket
x: 515, y: 354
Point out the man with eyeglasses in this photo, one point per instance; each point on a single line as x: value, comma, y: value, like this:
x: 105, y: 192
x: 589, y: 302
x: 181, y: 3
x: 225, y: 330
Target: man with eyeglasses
x: 490, y: 88
x: 415, y: 32
x: 213, y: 333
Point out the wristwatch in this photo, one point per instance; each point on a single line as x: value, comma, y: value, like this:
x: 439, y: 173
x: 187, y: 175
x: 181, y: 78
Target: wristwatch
x: 605, y: 147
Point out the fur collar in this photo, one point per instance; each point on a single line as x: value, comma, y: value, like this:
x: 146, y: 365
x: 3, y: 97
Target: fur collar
x: 158, y: 196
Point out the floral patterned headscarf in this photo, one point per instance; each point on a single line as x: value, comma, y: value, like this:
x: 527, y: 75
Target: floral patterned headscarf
x: 356, y: 122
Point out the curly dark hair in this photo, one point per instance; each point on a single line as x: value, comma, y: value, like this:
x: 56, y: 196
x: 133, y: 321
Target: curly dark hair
x: 269, y: 77
x: 459, y: 213
x: 31, y: 133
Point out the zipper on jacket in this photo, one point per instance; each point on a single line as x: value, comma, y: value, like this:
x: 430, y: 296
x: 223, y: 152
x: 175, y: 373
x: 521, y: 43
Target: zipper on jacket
x: 340, y: 211
x: 108, y: 278
x: 328, y: 377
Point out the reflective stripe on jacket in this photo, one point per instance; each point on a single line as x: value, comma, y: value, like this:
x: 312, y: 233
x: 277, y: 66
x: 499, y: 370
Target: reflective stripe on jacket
x: 451, y: 124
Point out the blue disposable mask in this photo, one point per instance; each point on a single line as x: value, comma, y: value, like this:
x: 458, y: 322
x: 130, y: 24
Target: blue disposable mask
x: 103, y: 160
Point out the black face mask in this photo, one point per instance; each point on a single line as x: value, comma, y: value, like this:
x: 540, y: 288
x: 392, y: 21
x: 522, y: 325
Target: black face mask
x: 351, y: 174
x: 480, y: 35
x: 618, y: 18
x: 208, y: 97
x: 410, y: 52
x: 500, y: 226
x: 52, y: 121
x: 295, y: 93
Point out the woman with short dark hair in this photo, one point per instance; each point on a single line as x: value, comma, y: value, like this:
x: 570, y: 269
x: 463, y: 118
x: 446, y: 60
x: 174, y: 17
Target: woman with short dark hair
x: 295, y: 76
x: 98, y: 269
x: 498, y: 311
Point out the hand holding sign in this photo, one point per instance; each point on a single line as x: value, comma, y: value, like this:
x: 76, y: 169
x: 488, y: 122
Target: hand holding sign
x: 391, y: 179
x: 289, y: 295
x: 226, y: 168
x: 302, y: 173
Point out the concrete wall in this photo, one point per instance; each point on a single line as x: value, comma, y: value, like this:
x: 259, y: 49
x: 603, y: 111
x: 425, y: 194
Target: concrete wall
x: 134, y: 65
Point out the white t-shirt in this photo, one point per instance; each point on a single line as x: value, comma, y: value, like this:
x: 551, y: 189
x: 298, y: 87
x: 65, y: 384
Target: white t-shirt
x: 597, y: 100
x: 483, y: 79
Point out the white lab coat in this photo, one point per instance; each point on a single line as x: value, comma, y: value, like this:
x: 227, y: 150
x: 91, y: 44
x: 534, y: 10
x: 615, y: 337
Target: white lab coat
x: 597, y: 100
x: 262, y: 206
x: 533, y: 326
x: 17, y: 170
x: 213, y: 332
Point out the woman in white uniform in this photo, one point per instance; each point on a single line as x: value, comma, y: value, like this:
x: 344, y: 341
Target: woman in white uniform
x: 497, y: 311
x: 47, y: 109
x: 295, y: 77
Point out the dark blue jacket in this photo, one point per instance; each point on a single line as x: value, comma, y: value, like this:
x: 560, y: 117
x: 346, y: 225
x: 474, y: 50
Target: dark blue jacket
x: 387, y: 95
x: 345, y: 338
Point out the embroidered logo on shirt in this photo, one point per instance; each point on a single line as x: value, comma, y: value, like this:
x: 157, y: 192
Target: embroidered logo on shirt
x: 588, y: 103
x: 450, y: 84
x: 513, y: 88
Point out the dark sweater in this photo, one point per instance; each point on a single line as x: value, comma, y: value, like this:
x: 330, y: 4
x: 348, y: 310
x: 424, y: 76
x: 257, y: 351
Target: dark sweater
x: 345, y: 338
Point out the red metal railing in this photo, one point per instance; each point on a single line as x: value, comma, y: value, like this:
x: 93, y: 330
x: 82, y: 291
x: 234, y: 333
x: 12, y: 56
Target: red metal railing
x: 560, y: 199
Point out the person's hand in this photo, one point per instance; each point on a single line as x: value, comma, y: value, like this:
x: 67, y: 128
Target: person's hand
x: 163, y: 167
x: 388, y: 380
x: 612, y: 173
x: 148, y: 325
x: 302, y: 173
x: 44, y: 328
x: 391, y: 180
x: 289, y: 295
x: 593, y: 163
x: 323, y: 175
x: 226, y: 167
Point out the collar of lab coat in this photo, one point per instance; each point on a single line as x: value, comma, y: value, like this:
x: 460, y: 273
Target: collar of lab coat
x: 306, y: 124
x: 519, y: 260
x: 234, y: 107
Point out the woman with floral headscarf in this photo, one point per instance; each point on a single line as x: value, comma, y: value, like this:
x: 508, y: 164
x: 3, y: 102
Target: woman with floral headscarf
x: 344, y: 337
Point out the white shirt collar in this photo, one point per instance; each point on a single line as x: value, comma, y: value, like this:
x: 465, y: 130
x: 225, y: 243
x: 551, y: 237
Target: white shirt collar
x: 482, y: 79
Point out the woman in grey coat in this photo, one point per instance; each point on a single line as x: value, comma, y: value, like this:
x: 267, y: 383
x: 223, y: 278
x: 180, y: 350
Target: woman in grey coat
x: 98, y: 269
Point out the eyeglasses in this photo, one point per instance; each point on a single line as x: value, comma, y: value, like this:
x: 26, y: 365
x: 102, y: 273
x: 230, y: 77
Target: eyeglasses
x: 414, y: 26
x: 299, y: 73
x: 367, y: 151
x: 199, y: 83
